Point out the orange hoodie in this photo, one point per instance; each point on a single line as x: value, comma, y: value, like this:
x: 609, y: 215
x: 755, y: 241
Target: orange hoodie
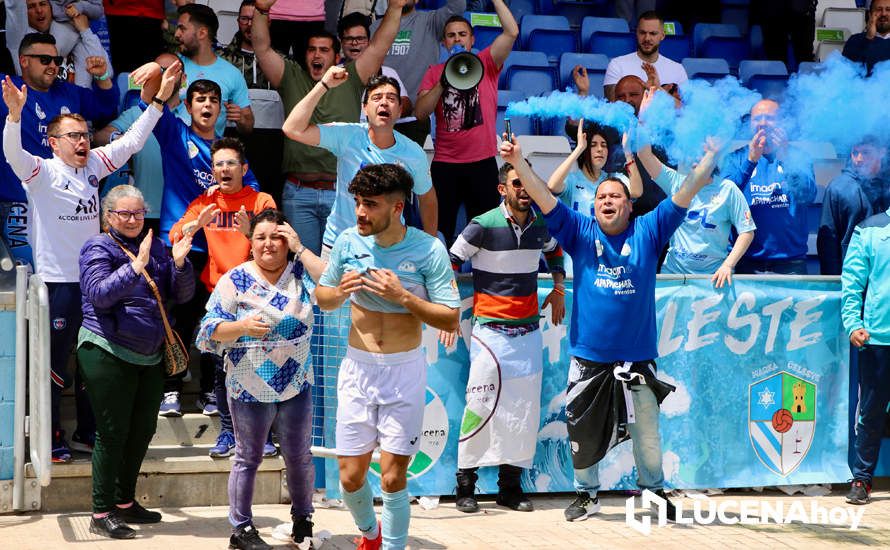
x: 227, y: 247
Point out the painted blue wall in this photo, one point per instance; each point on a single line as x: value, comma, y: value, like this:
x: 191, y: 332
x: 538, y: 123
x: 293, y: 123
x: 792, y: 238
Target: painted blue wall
x: 7, y: 391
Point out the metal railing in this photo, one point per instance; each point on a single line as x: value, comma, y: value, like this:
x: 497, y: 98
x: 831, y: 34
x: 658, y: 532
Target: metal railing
x: 33, y: 369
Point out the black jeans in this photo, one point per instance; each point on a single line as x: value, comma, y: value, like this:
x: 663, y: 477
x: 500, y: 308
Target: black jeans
x: 874, y: 395
x: 65, y: 318
x: 473, y: 184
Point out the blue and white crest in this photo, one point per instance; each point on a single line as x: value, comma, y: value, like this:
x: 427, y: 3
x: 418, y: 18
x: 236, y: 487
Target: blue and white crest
x: 781, y: 420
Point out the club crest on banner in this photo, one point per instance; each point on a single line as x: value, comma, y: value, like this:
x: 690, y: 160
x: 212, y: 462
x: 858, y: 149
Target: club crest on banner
x: 781, y: 420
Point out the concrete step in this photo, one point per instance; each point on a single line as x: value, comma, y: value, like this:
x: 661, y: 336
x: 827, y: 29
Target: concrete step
x: 188, y: 430
x: 171, y: 475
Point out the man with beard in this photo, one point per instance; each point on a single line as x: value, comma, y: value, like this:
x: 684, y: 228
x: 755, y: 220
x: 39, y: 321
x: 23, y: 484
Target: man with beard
x: 359, y: 144
x: 858, y: 192
x: 311, y: 173
x: 873, y: 45
x: 650, y: 33
x: 195, y: 33
x: 504, y: 246
x: 397, y: 278
x: 615, y: 263
x: 464, y: 166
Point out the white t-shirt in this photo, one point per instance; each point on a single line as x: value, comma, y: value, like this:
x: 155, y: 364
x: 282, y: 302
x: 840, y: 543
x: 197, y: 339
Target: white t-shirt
x: 65, y: 200
x: 669, y: 71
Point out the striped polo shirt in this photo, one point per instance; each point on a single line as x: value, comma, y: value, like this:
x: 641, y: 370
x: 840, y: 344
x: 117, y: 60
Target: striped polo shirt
x: 505, y: 259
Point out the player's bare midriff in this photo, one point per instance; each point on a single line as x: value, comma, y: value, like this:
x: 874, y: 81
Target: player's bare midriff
x: 379, y: 332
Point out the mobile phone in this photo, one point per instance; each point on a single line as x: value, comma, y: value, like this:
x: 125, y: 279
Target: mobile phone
x: 507, y: 129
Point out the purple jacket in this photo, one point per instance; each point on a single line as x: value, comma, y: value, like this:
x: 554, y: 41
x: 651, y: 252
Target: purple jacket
x: 117, y: 303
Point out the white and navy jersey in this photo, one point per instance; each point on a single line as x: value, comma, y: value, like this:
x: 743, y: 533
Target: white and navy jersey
x: 65, y: 200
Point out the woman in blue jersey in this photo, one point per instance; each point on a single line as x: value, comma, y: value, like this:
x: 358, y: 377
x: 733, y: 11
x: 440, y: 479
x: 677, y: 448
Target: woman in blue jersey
x: 576, y: 187
x: 699, y: 245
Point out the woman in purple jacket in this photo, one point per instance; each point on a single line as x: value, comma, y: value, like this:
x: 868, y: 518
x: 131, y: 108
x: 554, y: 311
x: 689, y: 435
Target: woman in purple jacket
x: 120, y: 350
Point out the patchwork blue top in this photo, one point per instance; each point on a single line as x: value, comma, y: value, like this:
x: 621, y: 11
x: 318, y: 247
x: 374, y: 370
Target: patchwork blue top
x: 278, y: 365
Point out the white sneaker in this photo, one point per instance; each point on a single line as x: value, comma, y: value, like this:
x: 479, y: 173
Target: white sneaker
x: 170, y: 405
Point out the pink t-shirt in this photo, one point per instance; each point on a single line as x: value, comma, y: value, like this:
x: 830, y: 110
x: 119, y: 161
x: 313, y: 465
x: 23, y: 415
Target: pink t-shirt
x: 467, y: 132
x: 298, y: 10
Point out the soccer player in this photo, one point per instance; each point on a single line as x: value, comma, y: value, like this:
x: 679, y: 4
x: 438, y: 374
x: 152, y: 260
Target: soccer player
x: 397, y: 278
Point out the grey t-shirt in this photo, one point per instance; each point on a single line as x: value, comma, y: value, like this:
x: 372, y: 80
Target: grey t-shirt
x: 416, y: 46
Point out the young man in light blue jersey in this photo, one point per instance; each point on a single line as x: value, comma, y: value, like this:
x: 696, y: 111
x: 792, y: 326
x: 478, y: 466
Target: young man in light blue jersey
x: 865, y: 311
x: 362, y: 144
x: 397, y: 278
x: 699, y: 244
x: 613, y: 322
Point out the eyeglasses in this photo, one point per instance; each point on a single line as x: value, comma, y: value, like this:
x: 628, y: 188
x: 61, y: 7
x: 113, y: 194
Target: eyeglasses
x: 47, y: 59
x: 354, y: 39
x: 127, y: 215
x: 517, y: 183
x: 75, y: 137
x: 223, y: 163
x: 245, y: 18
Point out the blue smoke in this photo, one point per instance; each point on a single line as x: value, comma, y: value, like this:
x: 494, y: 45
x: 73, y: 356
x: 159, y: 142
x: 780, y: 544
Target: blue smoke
x: 566, y: 104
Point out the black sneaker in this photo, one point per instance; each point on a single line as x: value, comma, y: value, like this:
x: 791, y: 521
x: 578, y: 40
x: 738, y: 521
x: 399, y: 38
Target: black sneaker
x: 582, y: 507
x: 247, y: 538
x: 466, y: 492
x: 859, y: 492
x: 514, y: 499
x: 137, y: 514
x: 669, y: 506
x: 302, y: 528
x: 111, y: 526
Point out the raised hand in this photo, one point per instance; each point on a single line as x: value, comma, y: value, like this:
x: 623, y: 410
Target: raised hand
x: 334, y: 76
x: 582, y: 81
x: 290, y: 235
x: 207, y: 214
x: 169, y: 80
x: 242, y: 221
x: 648, y: 95
x: 14, y: 98
x: 144, y: 254
x: 80, y: 21
x: 264, y: 5
x: 581, y: 137
x: 755, y: 147
x: 181, y: 249
x: 510, y: 149
x: 146, y: 72
x: 97, y: 65
x: 254, y: 326
x: 652, y: 80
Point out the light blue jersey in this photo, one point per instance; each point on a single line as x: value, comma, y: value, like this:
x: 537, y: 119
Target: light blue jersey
x: 420, y: 261
x: 580, y: 195
x: 699, y: 244
x: 350, y: 143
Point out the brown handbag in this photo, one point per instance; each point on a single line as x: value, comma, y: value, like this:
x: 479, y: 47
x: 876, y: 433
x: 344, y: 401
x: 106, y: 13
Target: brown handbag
x: 176, y: 355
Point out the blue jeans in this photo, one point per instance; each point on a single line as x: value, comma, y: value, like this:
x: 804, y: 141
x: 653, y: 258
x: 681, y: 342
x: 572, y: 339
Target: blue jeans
x: 874, y: 395
x: 646, y: 446
x: 307, y: 210
x: 293, y: 424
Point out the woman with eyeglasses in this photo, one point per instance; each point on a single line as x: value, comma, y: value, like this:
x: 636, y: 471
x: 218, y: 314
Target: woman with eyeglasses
x: 120, y: 349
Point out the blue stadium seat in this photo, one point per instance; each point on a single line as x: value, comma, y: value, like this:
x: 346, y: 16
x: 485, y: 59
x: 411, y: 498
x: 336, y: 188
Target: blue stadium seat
x: 706, y: 69
x: 612, y: 44
x: 702, y: 31
x: 532, y: 80
x: 590, y: 25
x: 485, y: 36
x: 733, y: 49
x: 552, y: 43
x: 525, y: 59
x: 750, y: 68
x: 594, y: 63
x: 123, y: 84
x: 676, y: 47
x: 521, y: 8
x: 576, y: 10
x: 531, y: 23
x: 521, y: 126
x: 544, y: 7
x: 755, y: 36
x: 735, y: 15
x: 770, y: 86
x: 810, y: 67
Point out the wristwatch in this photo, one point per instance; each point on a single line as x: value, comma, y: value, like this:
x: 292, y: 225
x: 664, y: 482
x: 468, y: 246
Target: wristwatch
x: 158, y: 100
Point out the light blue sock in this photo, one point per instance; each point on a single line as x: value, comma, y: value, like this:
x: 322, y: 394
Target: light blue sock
x: 361, y: 506
x: 396, y: 517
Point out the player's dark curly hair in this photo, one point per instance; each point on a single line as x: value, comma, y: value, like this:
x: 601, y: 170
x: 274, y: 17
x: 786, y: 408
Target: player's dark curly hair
x: 382, y: 179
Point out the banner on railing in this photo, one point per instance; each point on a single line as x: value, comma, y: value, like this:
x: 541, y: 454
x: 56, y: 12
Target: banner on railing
x: 762, y: 392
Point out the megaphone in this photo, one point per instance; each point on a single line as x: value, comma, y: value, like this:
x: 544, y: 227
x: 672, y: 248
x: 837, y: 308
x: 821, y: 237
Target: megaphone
x: 463, y: 70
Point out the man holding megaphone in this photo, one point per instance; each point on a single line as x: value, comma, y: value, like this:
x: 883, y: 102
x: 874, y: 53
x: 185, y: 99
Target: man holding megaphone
x: 463, y: 94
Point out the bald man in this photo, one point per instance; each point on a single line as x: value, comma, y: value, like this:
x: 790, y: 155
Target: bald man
x: 777, y: 192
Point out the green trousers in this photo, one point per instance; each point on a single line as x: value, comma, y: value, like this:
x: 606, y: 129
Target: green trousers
x: 125, y: 399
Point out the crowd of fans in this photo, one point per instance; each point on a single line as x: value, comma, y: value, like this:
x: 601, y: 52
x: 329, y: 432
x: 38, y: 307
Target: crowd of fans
x: 212, y: 135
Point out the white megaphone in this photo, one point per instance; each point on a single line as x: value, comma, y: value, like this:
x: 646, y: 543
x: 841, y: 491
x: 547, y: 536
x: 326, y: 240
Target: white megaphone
x: 463, y: 70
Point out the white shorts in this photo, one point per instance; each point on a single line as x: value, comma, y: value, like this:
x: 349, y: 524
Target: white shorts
x: 380, y: 399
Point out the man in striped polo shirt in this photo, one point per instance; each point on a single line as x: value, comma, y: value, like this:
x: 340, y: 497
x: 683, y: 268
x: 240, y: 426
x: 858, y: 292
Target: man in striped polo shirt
x: 502, y: 415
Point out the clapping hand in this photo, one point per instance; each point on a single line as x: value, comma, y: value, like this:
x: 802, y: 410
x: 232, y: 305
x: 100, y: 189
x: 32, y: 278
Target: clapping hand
x: 242, y: 221
x: 181, y: 249
x: 14, y: 98
x: 169, y: 80
x: 144, y: 254
x: 581, y: 137
x: 756, y: 146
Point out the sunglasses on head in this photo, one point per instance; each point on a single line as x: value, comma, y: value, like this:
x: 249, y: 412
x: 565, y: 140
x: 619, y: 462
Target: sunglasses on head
x: 47, y: 59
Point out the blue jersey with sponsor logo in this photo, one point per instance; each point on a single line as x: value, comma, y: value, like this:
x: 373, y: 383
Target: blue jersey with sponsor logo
x: 419, y: 260
x: 779, y: 198
x: 699, y: 244
x: 350, y: 143
x: 613, y: 318
x: 187, y: 172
